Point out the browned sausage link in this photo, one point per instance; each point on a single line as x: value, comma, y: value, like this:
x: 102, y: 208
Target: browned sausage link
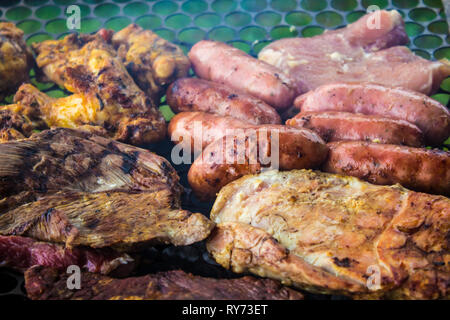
x: 337, y: 126
x: 222, y: 63
x: 196, y: 130
x: 234, y: 156
x: 397, y: 103
x: 415, y: 168
x: 191, y: 94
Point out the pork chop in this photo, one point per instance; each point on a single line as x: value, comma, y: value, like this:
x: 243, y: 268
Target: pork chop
x: 361, y: 52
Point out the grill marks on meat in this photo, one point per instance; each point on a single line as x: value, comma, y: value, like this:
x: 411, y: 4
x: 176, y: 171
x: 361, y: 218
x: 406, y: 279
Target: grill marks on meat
x: 360, y: 52
x: 73, y: 187
x: 337, y: 126
x: 48, y: 284
x: 152, y: 61
x: 105, y: 94
x: 21, y: 253
x: 322, y: 232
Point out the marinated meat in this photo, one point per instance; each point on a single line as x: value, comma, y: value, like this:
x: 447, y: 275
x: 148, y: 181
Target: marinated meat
x: 21, y: 253
x: 398, y: 103
x: 16, y: 59
x: 191, y: 94
x: 49, y: 284
x: 105, y: 94
x: 415, y: 168
x: 337, y: 126
x: 219, y: 62
x: 329, y: 233
x: 153, y: 62
x: 368, y: 50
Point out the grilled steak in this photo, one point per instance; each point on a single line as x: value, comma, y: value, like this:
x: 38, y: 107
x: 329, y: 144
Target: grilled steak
x: 368, y: 50
x: 333, y: 234
x: 45, y: 284
x: 21, y: 253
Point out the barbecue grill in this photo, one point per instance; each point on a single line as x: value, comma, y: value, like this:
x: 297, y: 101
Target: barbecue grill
x: 246, y: 24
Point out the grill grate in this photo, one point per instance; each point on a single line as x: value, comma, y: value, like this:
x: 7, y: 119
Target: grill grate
x: 248, y: 25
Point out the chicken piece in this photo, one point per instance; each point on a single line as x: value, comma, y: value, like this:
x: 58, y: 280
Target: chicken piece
x: 329, y: 233
x: 105, y: 94
x: 368, y: 50
x: 21, y: 253
x: 16, y: 59
x: 153, y: 62
x: 49, y: 284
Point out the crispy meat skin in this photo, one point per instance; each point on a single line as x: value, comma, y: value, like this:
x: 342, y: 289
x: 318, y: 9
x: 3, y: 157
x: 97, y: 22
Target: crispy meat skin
x: 48, y: 284
x: 192, y: 94
x: 21, y: 253
x: 337, y: 126
x: 415, y: 168
x: 152, y: 61
x: 322, y: 232
x: 105, y: 94
x: 16, y: 59
x: 360, y: 52
x: 371, y: 99
x: 73, y: 187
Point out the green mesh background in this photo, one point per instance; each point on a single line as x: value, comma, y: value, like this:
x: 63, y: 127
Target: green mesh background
x: 248, y: 25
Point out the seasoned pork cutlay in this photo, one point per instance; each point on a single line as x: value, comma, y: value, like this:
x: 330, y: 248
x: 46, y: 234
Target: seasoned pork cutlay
x: 153, y: 62
x: 21, y: 253
x: 48, y: 284
x: 78, y: 189
x: 105, y: 94
x: 431, y: 117
x: 337, y: 126
x: 368, y: 50
x: 328, y: 233
x: 415, y: 168
x: 16, y: 59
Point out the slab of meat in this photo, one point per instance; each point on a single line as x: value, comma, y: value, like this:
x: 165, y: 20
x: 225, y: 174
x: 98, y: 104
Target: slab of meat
x: 415, y: 168
x: 191, y: 94
x: 427, y: 114
x: 225, y: 64
x: 361, y: 52
x: 251, y: 151
x: 153, y: 62
x: 334, y: 234
x: 21, y: 253
x: 48, y: 284
x: 337, y: 126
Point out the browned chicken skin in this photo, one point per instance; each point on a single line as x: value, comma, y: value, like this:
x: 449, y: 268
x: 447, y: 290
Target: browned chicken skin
x: 105, y: 94
x: 15, y: 58
x: 334, y: 234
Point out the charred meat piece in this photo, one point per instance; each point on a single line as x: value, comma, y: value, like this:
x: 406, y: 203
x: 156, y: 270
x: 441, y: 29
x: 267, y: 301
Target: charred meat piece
x: 431, y: 117
x: 16, y: 59
x: 222, y: 63
x: 337, y: 126
x: 415, y: 168
x: 105, y: 94
x: 334, y: 234
x: 21, y: 253
x: 121, y: 220
x: 48, y: 284
x: 13, y: 126
x: 153, y: 62
x: 368, y: 50
x: 252, y: 150
x: 192, y: 94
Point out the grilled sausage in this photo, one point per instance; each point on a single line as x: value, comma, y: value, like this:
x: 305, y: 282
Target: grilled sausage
x: 196, y: 130
x: 222, y: 63
x: 234, y: 156
x: 415, y: 168
x: 191, y: 94
x: 337, y: 126
x: 429, y: 115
